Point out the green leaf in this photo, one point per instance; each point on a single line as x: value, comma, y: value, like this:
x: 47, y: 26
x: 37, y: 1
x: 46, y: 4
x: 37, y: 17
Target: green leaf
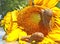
x: 58, y: 4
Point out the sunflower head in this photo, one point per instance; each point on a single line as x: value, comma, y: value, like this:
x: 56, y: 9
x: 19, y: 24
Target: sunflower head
x: 33, y: 18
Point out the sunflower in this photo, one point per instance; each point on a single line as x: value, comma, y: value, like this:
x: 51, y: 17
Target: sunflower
x: 30, y: 17
x: 39, y: 16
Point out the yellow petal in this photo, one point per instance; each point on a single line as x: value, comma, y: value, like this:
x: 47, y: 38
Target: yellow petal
x: 14, y: 15
x: 52, y: 3
x: 22, y: 42
x: 45, y: 2
x: 13, y: 35
x: 55, y: 9
x: 36, y: 2
x: 55, y: 36
x: 47, y: 40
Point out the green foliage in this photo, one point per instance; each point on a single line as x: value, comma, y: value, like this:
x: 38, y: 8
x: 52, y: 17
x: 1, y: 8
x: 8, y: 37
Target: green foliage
x: 0, y: 7
x: 58, y: 4
x: 9, y: 5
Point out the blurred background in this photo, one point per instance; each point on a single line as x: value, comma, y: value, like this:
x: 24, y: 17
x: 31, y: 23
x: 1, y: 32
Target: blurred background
x: 9, y: 5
